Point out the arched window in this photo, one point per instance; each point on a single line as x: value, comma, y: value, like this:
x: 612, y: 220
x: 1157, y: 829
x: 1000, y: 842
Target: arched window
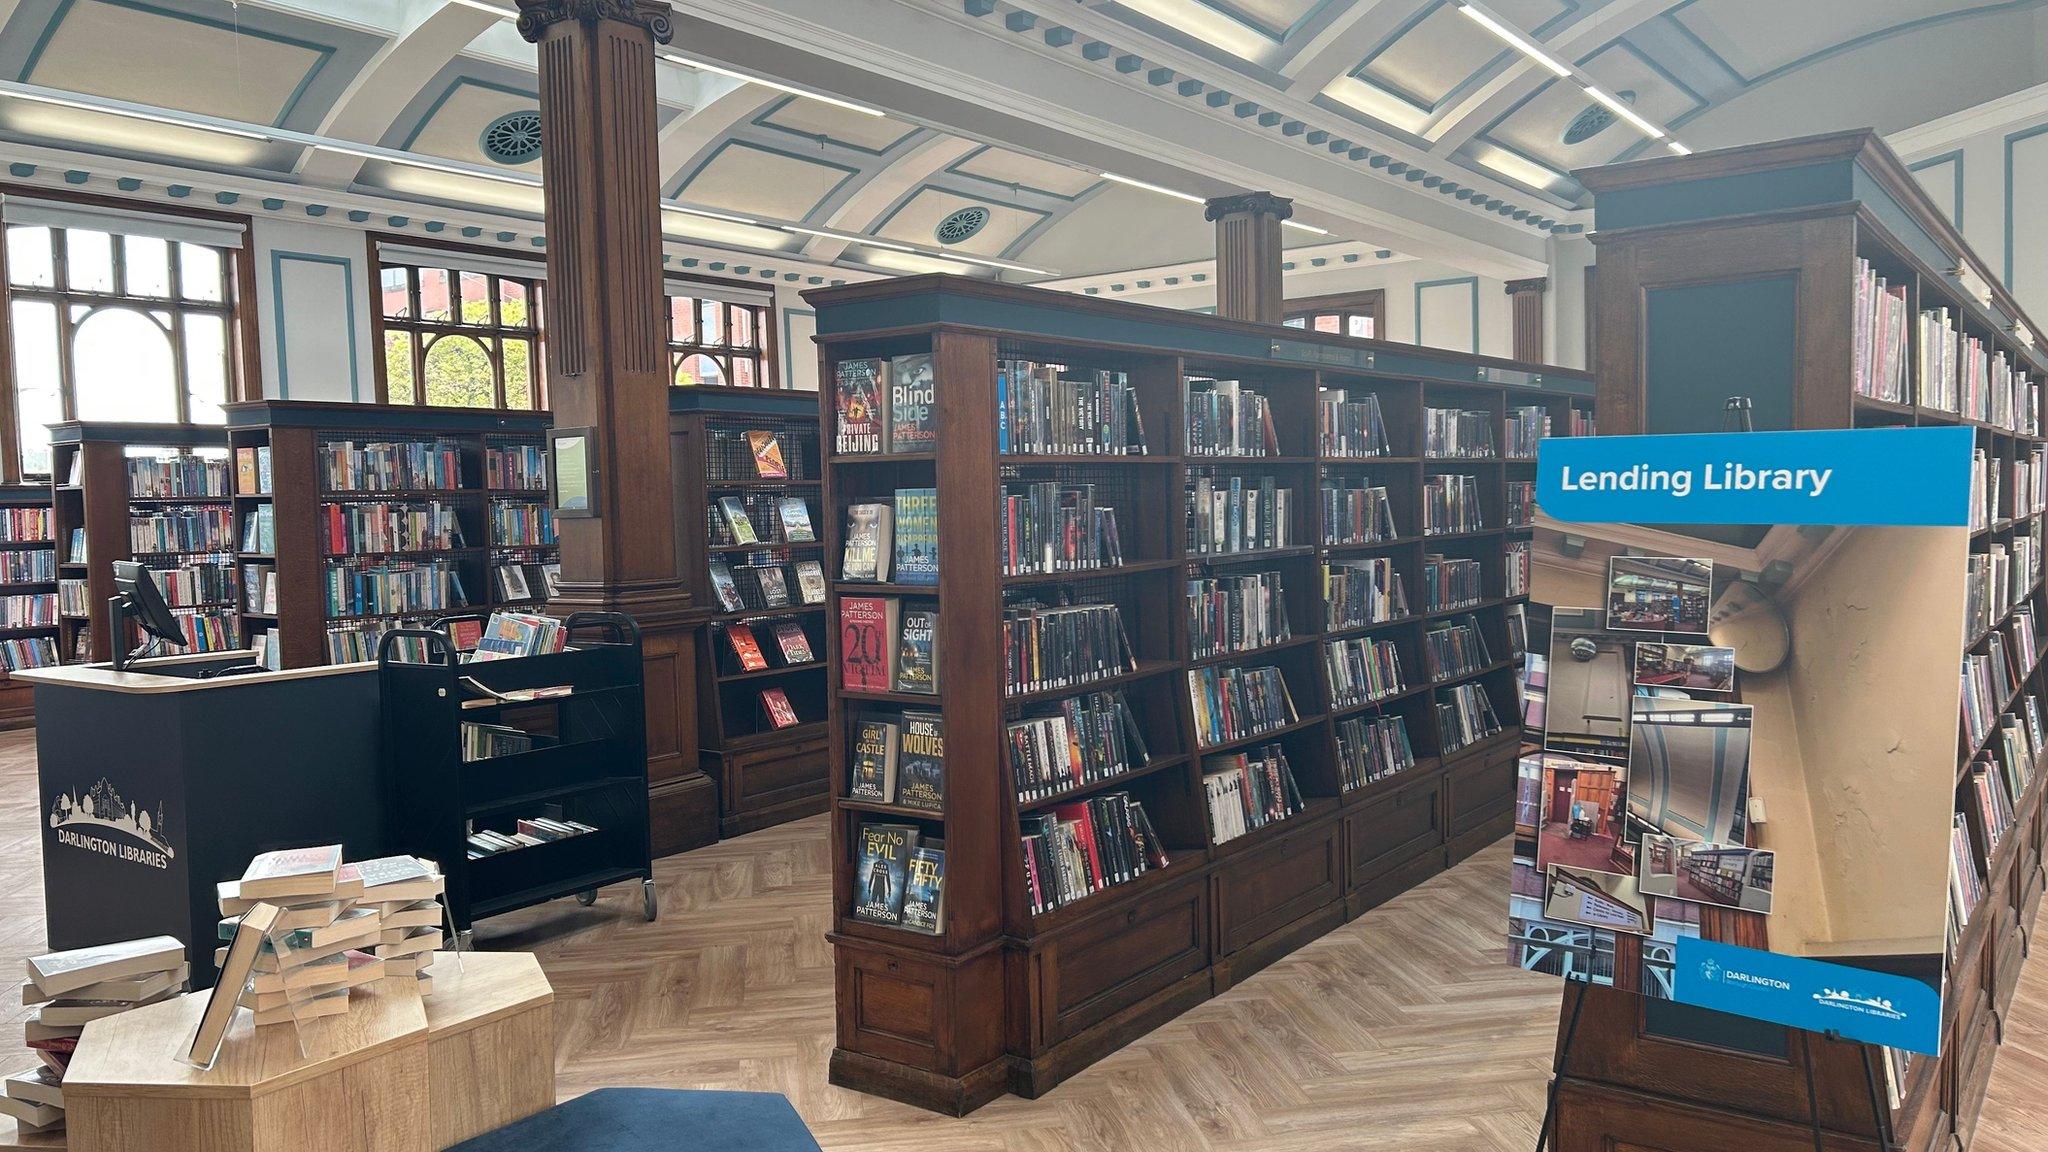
x: 460, y: 338
x: 719, y: 341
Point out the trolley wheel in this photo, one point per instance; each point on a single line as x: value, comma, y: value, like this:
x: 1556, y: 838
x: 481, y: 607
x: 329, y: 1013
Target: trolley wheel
x: 587, y: 898
x: 647, y: 908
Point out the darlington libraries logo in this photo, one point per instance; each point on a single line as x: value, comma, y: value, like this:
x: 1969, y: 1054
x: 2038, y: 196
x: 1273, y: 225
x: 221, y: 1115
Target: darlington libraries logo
x: 1877, y: 1007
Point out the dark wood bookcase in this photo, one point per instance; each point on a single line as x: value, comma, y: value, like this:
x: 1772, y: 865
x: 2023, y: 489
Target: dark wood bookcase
x: 297, y: 434
x: 766, y: 775
x: 1004, y: 1000
x: 90, y: 492
x: 1734, y: 271
x: 17, y: 703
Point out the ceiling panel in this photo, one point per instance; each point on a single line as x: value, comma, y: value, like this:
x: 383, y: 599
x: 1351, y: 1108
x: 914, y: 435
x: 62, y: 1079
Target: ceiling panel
x: 1536, y: 129
x: 843, y: 126
x: 1273, y: 17
x: 1006, y: 167
x: 915, y: 221
x: 1756, y: 36
x: 1438, y: 50
x: 136, y: 52
x: 453, y: 126
x: 755, y: 181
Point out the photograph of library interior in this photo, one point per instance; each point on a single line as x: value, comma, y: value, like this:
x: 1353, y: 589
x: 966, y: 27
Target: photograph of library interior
x: 867, y: 575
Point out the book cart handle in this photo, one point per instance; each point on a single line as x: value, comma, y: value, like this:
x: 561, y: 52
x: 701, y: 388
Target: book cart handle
x: 618, y: 627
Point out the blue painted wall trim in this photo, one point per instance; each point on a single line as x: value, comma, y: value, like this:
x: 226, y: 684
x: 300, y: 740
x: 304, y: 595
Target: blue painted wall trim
x: 1471, y: 283
x: 348, y: 283
x: 1956, y: 158
x: 789, y: 353
x: 2012, y: 142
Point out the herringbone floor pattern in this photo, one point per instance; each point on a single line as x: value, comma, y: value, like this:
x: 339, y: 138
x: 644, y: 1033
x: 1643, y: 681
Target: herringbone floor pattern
x: 1400, y: 1031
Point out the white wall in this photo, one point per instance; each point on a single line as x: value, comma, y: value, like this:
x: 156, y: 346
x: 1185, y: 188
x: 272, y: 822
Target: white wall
x: 1998, y: 154
x: 313, y: 299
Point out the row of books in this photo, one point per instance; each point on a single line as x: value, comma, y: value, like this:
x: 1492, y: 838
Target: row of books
x: 788, y: 453
x: 252, y: 470
x: 1362, y: 670
x: 1458, y: 434
x: 1966, y: 886
x: 208, y: 630
x: 1357, y: 593
x: 392, y: 586
x: 1992, y: 586
x: 522, y: 525
x: 1451, y: 582
x: 1372, y: 748
x: 759, y: 518
x: 899, y: 877
x: 527, y: 832
x: 792, y: 645
x: 1963, y: 374
x: 28, y: 652
x: 390, y: 465
x: 1048, y: 647
x: 1354, y: 429
x: 489, y: 741
x: 1526, y: 426
x: 2027, y: 492
x: 195, y: 529
x: 900, y: 759
x: 767, y: 583
x: 1047, y: 526
x: 381, y: 527
x: 1521, y: 503
x: 201, y: 581
x: 1356, y: 514
x: 516, y: 467
x: 1247, y: 791
x: 267, y: 648
x: 1989, y: 679
x: 884, y: 406
x: 1465, y: 715
x: 1451, y: 504
x: 19, y: 525
x: 1049, y: 410
x: 28, y: 566
x: 1224, y: 418
x: 1227, y: 514
x: 259, y: 588
x: 161, y: 476
x: 74, y: 551
x: 1078, y: 849
x: 1455, y: 648
x: 33, y: 610
x: 1236, y: 613
x: 74, y: 598
x: 1076, y: 742
x: 1233, y: 703
x: 1519, y: 559
x: 1877, y: 347
x: 259, y: 531
x: 357, y: 643
x: 888, y: 645
x: 518, y: 580
x: 896, y: 541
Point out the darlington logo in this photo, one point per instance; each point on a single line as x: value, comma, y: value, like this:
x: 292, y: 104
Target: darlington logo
x: 1712, y: 971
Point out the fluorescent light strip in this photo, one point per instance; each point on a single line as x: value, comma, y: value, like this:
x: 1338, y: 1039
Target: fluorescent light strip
x: 1526, y: 47
x: 411, y: 161
x: 21, y: 92
x: 872, y: 242
x: 1153, y: 188
x: 849, y: 237
x: 1296, y: 224
x: 809, y: 94
x: 1627, y: 113
x: 493, y: 9
x: 708, y: 214
x: 1675, y: 146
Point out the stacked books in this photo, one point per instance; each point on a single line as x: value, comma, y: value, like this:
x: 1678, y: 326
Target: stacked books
x: 529, y: 832
x: 1246, y: 791
x: 508, y: 635
x: 69, y: 990
x: 333, y: 926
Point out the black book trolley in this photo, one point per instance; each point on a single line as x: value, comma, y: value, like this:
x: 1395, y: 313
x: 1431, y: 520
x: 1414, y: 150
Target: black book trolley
x: 587, y: 763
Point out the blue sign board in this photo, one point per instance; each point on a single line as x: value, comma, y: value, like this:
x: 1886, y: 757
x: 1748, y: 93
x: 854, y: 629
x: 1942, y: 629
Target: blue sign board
x: 1875, y: 1007
x: 1901, y: 476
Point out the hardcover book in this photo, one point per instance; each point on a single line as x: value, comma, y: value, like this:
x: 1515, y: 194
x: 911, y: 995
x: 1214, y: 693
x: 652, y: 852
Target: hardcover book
x: 794, y: 642
x: 875, y: 749
x: 768, y: 462
x: 810, y: 581
x: 869, y: 542
x: 781, y: 713
x: 57, y: 973
x: 917, y: 655
x: 292, y: 872
x: 735, y: 514
x: 884, y: 863
x: 924, y: 904
x: 745, y: 648
x: 917, y: 536
x: 774, y: 586
x: 796, y: 520
x: 857, y: 398
x: 921, y: 771
x: 722, y: 585
x: 913, y: 409
x: 867, y: 643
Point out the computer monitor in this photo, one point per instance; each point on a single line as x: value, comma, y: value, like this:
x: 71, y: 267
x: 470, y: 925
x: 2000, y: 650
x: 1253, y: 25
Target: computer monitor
x: 140, y: 598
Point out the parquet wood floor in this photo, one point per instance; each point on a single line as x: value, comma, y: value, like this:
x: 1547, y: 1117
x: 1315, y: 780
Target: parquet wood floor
x: 1400, y: 1031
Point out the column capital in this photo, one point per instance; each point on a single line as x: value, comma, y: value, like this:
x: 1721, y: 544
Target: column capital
x: 537, y: 16
x: 1536, y: 284
x: 1249, y: 204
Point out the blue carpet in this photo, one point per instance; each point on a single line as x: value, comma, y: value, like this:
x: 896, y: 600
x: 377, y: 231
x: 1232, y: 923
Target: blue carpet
x: 645, y: 1119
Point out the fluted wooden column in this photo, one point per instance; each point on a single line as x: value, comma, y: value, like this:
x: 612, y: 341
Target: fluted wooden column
x: 1525, y: 300
x: 1248, y: 255
x: 607, y: 359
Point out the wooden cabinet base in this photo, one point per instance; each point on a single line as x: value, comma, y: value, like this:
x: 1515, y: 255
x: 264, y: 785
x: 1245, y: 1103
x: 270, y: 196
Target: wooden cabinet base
x: 1599, y: 1118
x: 762, y: 787
x: 946, y: 1095
x: 682, y: 814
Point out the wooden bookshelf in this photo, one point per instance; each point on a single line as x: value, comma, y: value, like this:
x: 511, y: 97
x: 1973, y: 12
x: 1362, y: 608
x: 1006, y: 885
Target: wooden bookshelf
x: 30, y: 555
x: 91, y: 494
x: 1739, y: 266
x: 1005, y: 1000
x: 765, y: 775
x: 297, y: 434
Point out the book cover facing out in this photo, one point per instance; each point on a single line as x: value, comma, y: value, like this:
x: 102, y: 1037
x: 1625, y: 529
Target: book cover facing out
x: 1743, y: 786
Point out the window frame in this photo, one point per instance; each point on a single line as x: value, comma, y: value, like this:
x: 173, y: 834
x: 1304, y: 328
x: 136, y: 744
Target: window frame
x: 238, y: 279
x: 492, y: 335
x: 766, y: 352
x: 1371, y: 302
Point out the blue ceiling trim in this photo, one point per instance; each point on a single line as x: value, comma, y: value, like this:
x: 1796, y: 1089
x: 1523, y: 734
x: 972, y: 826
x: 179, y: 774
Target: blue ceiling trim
x: 955, y: 169
x: 676, y: 190
x: 1276, y: 35
x: 904, y: 200
x: 433, y: 109
x: 762, y: 121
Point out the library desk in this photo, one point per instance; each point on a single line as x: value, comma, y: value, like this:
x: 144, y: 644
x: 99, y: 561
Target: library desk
x: 156, y: 784
x: 398, y: 1072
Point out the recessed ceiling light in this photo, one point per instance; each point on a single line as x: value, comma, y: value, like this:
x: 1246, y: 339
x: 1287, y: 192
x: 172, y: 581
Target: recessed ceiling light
x: 708, y: 214
x: 409, y: 160
x: 779, y: 86
x: 1189, y: 197
x: 61, y: 100
x: 1621, y: 109
x: 1298, y: 225
x: 1527, y: 47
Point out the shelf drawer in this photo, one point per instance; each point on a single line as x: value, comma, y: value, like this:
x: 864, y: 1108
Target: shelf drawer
x: 1393, y: 830
x: 1479, y: 791
x: 1262, y: 892
x: 763, y: 786
x: 929, y: 1012
x: 1099, y: 967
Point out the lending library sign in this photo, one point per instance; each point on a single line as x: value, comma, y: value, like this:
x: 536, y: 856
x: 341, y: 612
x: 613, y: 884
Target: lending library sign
x: 1742, y: 720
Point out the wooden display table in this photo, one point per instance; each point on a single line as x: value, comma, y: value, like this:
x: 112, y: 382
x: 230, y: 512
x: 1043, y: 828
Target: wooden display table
x: 397, y: 1072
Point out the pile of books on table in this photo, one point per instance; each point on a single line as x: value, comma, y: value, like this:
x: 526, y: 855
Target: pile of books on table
x: 338, y: 926
x: 69, y: 990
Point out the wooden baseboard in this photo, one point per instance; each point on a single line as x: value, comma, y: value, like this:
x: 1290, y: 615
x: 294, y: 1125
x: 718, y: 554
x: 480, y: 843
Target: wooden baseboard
x: 682, y: 814
x: 1034, y: 1077
x: 948, y: 1095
